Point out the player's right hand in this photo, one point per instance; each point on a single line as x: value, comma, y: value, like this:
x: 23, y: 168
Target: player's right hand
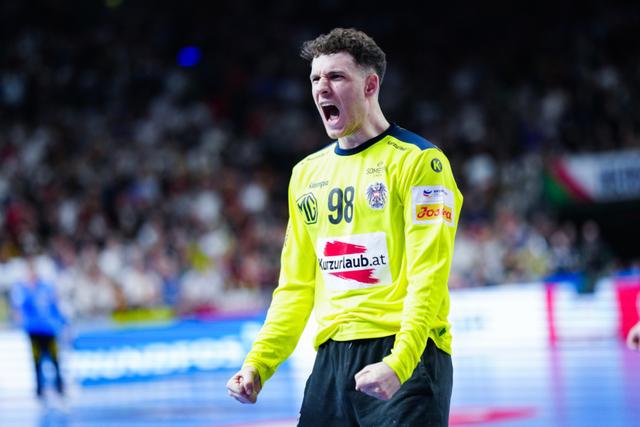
x: 245, y: 385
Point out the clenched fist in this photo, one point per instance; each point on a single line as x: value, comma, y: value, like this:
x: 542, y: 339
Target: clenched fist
x: 378, y: 380
x: 245, y: 385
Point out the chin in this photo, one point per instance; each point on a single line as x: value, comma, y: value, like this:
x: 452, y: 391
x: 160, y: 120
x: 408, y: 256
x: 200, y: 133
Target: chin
x: 334, y: 133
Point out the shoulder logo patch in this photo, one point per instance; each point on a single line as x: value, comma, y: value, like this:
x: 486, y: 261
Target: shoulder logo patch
x: 308, y: 207
x: 432, y: 205
x: 377, y: 195
x: 436, y: 165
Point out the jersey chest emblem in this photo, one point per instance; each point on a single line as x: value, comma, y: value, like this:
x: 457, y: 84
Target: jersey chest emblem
x: 377, y: 195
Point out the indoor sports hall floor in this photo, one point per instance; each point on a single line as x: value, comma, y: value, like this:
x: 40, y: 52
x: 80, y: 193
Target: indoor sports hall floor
x: 574, y: 385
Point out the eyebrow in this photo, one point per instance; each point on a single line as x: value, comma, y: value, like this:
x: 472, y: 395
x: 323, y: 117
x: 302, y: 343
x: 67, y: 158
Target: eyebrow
x: 328, y: 73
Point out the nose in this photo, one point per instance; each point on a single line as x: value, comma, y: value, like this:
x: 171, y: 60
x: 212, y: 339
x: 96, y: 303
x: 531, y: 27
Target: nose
x: 323, y: 85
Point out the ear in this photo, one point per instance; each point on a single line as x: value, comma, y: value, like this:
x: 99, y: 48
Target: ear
x: 371, y: 84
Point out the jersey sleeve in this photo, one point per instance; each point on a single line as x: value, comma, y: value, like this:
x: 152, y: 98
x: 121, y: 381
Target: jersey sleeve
x: 292, y: 300
x: 431, y: 203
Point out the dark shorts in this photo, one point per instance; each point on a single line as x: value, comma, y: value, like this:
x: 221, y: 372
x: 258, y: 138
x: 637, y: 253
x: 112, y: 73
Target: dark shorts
x: 330, y: 397
x: 42, y: 344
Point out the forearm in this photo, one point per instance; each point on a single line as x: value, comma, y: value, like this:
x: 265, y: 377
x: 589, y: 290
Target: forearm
x: 429, y: 253
x: 286, y: 319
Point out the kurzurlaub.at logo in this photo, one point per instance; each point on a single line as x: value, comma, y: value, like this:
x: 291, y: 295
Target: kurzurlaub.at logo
x: 354, y: 261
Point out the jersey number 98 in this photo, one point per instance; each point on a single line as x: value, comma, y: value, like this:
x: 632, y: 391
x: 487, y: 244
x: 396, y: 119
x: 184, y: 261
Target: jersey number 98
x: 341, y: 204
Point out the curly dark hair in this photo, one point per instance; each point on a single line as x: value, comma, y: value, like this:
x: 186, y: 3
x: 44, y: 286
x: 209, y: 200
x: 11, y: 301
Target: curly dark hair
x: 359, y: 45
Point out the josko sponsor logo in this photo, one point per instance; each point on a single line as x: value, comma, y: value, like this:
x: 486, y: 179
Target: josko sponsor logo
x: 433, y: 212
x: 354, y: 262
x: 432, y: 205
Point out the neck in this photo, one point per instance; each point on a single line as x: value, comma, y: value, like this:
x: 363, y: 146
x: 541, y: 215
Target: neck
x: 374, y: 124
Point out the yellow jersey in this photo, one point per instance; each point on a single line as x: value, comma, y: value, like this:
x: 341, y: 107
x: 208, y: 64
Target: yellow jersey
x: 368, y: 246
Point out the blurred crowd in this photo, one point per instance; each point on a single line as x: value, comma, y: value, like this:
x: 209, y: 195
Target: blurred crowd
x: 138, y: 177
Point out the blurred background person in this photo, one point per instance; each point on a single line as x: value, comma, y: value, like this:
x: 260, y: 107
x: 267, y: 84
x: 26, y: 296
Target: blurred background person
x: 35, y: 307
x: 633, y: 339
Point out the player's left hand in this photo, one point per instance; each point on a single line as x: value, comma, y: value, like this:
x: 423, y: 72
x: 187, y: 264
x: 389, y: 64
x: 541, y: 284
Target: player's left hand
x: 378, y: 380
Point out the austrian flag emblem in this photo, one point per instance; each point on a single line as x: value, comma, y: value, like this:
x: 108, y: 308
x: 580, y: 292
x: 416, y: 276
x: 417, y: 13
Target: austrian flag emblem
x: 377, y: 195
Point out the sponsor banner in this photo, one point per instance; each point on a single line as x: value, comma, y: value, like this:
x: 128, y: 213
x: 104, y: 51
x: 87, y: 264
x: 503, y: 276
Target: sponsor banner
x: 144, y: 352
x: 354, y: 262
x: 498, y: 318
x: 116, y: 354
x: 16, y: 366
x: 432, y: 205
x: 574, y: 316
x: 602, y: 177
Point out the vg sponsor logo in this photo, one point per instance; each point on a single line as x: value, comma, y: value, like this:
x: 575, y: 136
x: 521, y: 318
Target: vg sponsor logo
x: 308, y: 207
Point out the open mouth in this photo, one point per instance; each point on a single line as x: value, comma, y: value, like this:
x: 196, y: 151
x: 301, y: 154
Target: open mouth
x: 331, y: 112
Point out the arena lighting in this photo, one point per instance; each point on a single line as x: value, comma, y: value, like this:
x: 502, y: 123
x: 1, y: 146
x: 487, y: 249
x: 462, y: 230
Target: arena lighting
x: 189, y: 56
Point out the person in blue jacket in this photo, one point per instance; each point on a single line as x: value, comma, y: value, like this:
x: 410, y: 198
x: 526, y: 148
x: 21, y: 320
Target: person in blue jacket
x: 35, y: 307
